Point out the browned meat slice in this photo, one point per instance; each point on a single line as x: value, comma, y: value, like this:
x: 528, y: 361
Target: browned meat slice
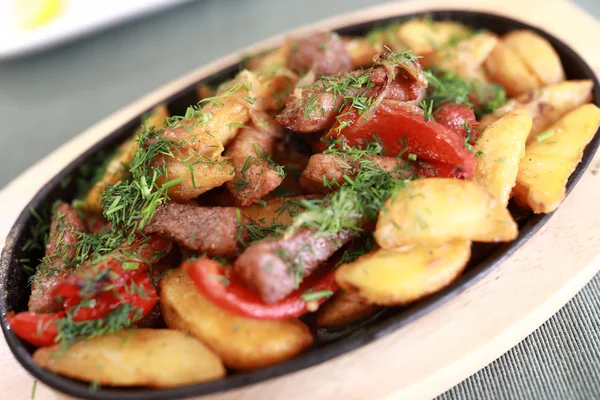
x: 211, y: 230
x: 323, y: 53
x: 255, y: 173
x: 61, y: 248
x: 274, y: 268
x: 325, y: 172
x: 314, y: 108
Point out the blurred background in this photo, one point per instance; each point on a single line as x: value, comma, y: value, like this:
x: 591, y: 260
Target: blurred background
x: 66, y: 64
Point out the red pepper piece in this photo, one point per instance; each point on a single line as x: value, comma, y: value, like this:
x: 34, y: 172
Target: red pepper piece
x: 140, y: 293
x: 226, y: 290
x: 455, y: 116
x: 402, y: 129
x: 113, y: 271
x: 37, y: 329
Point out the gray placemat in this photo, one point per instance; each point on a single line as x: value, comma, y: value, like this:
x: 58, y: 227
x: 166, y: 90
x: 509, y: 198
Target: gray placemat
x: 48, y: 98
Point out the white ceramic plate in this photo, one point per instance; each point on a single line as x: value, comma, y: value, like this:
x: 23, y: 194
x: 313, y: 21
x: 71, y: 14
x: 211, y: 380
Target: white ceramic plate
x: 76, y: 18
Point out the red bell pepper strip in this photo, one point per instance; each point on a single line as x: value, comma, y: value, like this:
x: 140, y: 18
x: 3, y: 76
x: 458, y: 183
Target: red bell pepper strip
x: 457, y: 117
x: 403, y: 129
x: 113, y: 271
x: 37, y: 329
x: 226, y: 290
x: 140, y: 293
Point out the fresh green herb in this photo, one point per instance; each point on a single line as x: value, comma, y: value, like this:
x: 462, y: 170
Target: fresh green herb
x: 544, y: 135
x: 261, y: 203
x: 94, y: 386
x: 359, y: 198
x: 412, y: 157
x: 130, y: 265
x: 70, y: 331
x: 470, y: 137
x: 427, y: 107
x: 357, y: 248
x: 312, y: 296
x: 33, y: 390
x: 501, y: 159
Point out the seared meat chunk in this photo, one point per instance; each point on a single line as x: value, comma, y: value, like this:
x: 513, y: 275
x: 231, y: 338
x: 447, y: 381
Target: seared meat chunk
x: 61, y: 248
x: 274, y: 268
x: 211, y: 230
x: 255, y: 173
x: 325, y: 172
x: 315, y: 107
x: 323, y: 53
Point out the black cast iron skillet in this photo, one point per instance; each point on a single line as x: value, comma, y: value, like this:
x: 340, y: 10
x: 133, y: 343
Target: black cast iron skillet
x: 328, y: 344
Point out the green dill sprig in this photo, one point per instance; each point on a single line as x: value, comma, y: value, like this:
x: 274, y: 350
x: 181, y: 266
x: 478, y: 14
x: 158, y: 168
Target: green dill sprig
x: 359, y: 198
x: 448, y: 87
x: 70, y: 331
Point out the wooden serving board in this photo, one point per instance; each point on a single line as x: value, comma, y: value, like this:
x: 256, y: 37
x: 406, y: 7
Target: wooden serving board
x: 458, y: 338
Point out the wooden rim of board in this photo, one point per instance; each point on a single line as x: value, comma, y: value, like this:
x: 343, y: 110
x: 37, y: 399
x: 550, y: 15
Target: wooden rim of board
x: 459, y: 337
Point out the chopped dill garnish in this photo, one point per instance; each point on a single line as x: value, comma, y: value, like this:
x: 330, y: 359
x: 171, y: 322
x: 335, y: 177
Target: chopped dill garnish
x: 312, y: 296
x: 359, y: 198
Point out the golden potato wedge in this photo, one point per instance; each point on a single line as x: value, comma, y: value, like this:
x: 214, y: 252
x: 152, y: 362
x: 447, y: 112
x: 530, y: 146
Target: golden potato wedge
x: 270, y: 59
x: 436, y: 210
x: 546, y: 105
x: 242, y: 343
x: 505, y: 68
x: 135, y: 357
x: 342, y: 309
x: 423, y: 37
x: 118, y: 167
x: 548, y: 163
x: 502, y: 146
x: 537, y: 54
x: 467, y: 56
x: 361, y: 50
x: 390, y: 277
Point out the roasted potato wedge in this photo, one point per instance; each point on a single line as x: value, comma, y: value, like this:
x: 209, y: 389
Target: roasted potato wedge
x: 437, y: 210
x: 505, y: 68
x: 467, y: 56
x: 118, y: 167
x: 424, y: 37
x: 361, y: 50
x: 270, y: 59
x: 537, y: 54
x: 501, y: 146
x: 342, y: 309
x: 548, y: 163
x: 390, y: 277
x: 242, y: 343
x: 546, y: 105
x: 135, y: 357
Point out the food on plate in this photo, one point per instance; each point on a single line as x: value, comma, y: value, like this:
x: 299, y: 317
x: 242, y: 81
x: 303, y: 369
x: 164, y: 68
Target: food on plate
x: 552, y: 157
x: 158, y: 358
x: 325, y: 180
x: 402, y: 275
x: 242, y: 343
x: 546, y: 105
x: 504, y: 67
x: 342, y: 309
x: 501, y: 146
x: 438, y: 210
x: 537, y: 54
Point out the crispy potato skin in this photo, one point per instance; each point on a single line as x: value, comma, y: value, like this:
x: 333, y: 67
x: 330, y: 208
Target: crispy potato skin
x: 505, y: 68
x: 158, y: 358
x: 547, y: 165
x: 437, y: 210
x: 537, y: 54
x: 502, y: 146
x: 403, y: 275
x: 424, y: 37
x: 242, y: 343
x: 546, y: 105
x: 467, y: 56
x: 118, y: 167
x: 342, y: 309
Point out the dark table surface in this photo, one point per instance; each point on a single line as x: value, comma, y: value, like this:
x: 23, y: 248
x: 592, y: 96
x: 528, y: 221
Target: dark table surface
x: 50, y: 97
